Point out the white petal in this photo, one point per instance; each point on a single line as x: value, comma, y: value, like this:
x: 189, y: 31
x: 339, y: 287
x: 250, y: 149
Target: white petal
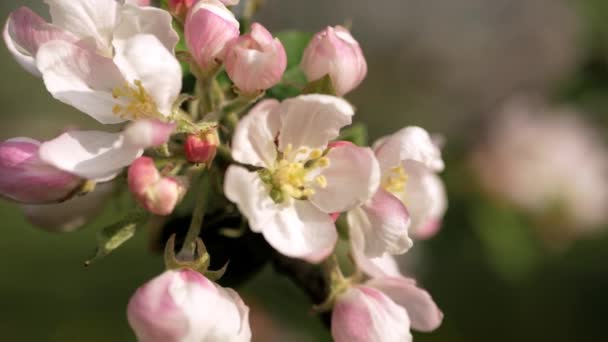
x: 24, y: 32
x: 312, y: 120
x: 382, y: 266
x: 425, y: 199
x: 423, y: 312
x: 300, y: 230
x: 254, y: 138
x: 250, y: 194
x: 410, y: 143
x: 80, y: 78
x: 89, y: 154
x: 364, y: 314
x: 147, y: 20
x: 143, y: 57
x: 71, y: 214
x: 91, y: 20
x: 353, y: 177
x: 384, y: 222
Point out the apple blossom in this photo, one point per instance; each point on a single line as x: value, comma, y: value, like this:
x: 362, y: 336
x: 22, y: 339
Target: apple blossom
x: 25, y: 178
x: 184, y: 306
x: 202, y: 147
x: 411, y: 199
x: 158, y: 194
x: 549, y: 162
x: 299, y: 181
x: 110, y: 60
x: 208, y: 29
x: 255, y: 61
x: 335, y: 53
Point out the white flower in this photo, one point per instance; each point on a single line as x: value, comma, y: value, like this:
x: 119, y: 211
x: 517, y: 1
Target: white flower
x: 184, y: 306
x: 411, y: 200
x: 382, y: 310
x: 549, y: 162
x: 112, y: 61
x: 300, y: 181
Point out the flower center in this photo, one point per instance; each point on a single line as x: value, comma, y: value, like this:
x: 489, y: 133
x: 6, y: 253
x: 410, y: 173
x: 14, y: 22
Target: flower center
x: 396, y: 180
x: 136, y: 103
x: 296, y: 174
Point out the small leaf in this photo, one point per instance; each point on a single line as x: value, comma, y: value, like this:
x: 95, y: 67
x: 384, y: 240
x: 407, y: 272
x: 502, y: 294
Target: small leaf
x: 320, y: 86
x: 113, y: 236
x: 295, y: 42
x: 357, y: 134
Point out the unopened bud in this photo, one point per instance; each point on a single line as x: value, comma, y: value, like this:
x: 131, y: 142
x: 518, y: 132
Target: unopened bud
x: 27, y: 179
x: 157, y: 194
x: 201, y: 148
x: 209, y: 27
x: 182, y: 305
x: 255, y: 61
x: 336, y: 53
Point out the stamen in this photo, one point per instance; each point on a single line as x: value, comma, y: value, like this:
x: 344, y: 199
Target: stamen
x: 137, y: 102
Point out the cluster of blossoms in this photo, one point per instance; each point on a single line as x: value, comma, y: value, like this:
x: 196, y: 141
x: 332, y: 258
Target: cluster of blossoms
x: 280, y: 160
x: 532, y: 158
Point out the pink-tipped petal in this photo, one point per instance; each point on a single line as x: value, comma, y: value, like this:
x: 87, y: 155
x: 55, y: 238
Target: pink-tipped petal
x: 209, y: 27
x: 384, y: 223
x: 25, y: 178
x: 255, y: 61
x: 148, y: 133
x: 364, y: 314
x: 353, y: 177
x: 420, y: 306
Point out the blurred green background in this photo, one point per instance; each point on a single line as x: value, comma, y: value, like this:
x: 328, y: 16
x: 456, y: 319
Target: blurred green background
x: 441, y: 64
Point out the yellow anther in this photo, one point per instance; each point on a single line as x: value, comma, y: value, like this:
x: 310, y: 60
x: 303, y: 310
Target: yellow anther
x: 314, y: 154
x: 288, y: 149
x: 291, y: 176
x: 396, y: 181
x: 136, y: 103
x: 321, y: 181
x: 308, y: 192
x: 322, y: 162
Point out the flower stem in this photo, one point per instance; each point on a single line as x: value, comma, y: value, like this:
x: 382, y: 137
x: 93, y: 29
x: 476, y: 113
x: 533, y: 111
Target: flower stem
x: 251, y: 7
x: 198, y: 215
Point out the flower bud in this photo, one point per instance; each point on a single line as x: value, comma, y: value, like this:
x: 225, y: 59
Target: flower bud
x: 183, y: 305
x: 336, y: 53
x: 209, y: 27
x: 27, y: 179
x: 159, y: 195
x: 179, y: 8
x: 365, y: 314
x: 255, y: 61
x: 201, y: 148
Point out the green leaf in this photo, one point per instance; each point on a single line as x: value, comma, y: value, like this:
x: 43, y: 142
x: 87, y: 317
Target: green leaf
x: 294, y: 42
x: 291, y: 85
x: 113, y: 236
x: 357, y: 134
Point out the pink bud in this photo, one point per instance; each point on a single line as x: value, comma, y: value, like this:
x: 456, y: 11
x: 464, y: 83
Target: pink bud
x: 201, y: 148
x: 180, y: 8
x: 159, y: 195
x: 27, y: 179
x: 364, y: 314
x: 255, y: 61
x: 209, y: 27
x: 183, y: 305
x: 336, y: 53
